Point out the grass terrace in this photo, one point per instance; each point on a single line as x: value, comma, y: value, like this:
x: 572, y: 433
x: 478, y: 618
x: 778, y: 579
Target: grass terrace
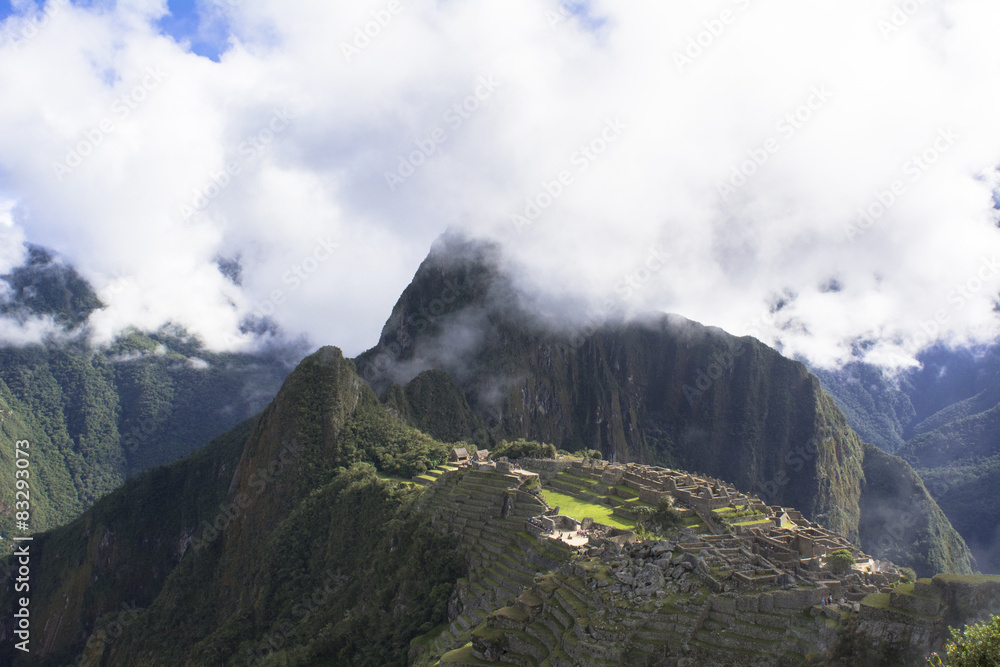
x: 969, y: 578
x: 877, y: 600
x: 463, y: 656
x: 693, y: 522
x: 390, y: 478
x: 751, y: 521
x: 620, y: 496
x: 576, y: 479
x: 580, y: 509
x: 428, y: 477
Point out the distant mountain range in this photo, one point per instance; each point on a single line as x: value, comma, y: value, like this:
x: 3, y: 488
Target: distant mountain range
x: 96, y: 416
x: 208, y: 560
x: 944, y: 419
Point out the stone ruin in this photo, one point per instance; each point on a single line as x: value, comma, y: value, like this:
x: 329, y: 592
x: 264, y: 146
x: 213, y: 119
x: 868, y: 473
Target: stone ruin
x: 746, y: 596
x: 779, y: 548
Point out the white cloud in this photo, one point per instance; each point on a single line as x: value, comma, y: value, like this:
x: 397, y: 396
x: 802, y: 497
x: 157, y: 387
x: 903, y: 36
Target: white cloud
x: 284, y: 145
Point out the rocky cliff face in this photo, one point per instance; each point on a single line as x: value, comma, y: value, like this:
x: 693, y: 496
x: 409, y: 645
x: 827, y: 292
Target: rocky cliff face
x: 943, y: 419
x: 663, y: 391
x: 905, y: 626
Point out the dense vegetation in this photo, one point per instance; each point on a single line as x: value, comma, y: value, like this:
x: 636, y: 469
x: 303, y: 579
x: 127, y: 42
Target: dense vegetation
x: 873, y: 403
x: 277, y: 544
x: 521, y: 449
x: 976, y: 645
x: 348, y: 578
x: 433, y: 403
x: 944, y: 419
x: 663, y: 519
x: 841, y: 561
x: 97, y: 417
x: 901, y: 521
x: 44, y: 286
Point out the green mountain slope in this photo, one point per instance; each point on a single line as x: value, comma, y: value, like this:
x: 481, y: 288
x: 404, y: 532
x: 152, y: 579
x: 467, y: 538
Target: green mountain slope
x: 43, y: 285
x: 277, y: 542
x: 954, y: 445
x: 901, y: 519
x: 957, y: 453
x: 433, y: 403
x: 667, y: 391
x: 97, y: 417
x: 282, y: 543
x: 875, y: 406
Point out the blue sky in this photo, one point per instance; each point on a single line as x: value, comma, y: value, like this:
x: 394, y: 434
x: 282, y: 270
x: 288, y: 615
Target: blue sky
x: 183, y: 23
x: 620, y: 131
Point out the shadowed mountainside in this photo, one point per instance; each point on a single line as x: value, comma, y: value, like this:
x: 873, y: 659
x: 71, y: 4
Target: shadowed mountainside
x: 944, y: 419
x: 276, y: 540
x: 666, y: 391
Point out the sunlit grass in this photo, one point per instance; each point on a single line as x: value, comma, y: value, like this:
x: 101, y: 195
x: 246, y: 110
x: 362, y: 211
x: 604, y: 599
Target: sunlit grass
x: 580, y: 509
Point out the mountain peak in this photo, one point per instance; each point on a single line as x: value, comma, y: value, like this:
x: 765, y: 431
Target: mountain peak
x: 45, y: 285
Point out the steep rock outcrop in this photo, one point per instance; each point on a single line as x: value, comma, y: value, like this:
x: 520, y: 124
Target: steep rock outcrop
x: 663, y: 391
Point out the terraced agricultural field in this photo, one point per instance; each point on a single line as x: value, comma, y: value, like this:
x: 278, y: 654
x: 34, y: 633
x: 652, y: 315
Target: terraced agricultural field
x: 579, y: 509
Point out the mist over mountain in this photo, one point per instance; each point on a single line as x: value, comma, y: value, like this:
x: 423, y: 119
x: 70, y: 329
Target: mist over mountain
x: 468, y: 353
x: 663, y: 390
x: 266, y: 267
x: 44, y: 286
x: 293, y: 537
x: 799, y: 204
x: 941, y: 418
x: 100, y: 414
